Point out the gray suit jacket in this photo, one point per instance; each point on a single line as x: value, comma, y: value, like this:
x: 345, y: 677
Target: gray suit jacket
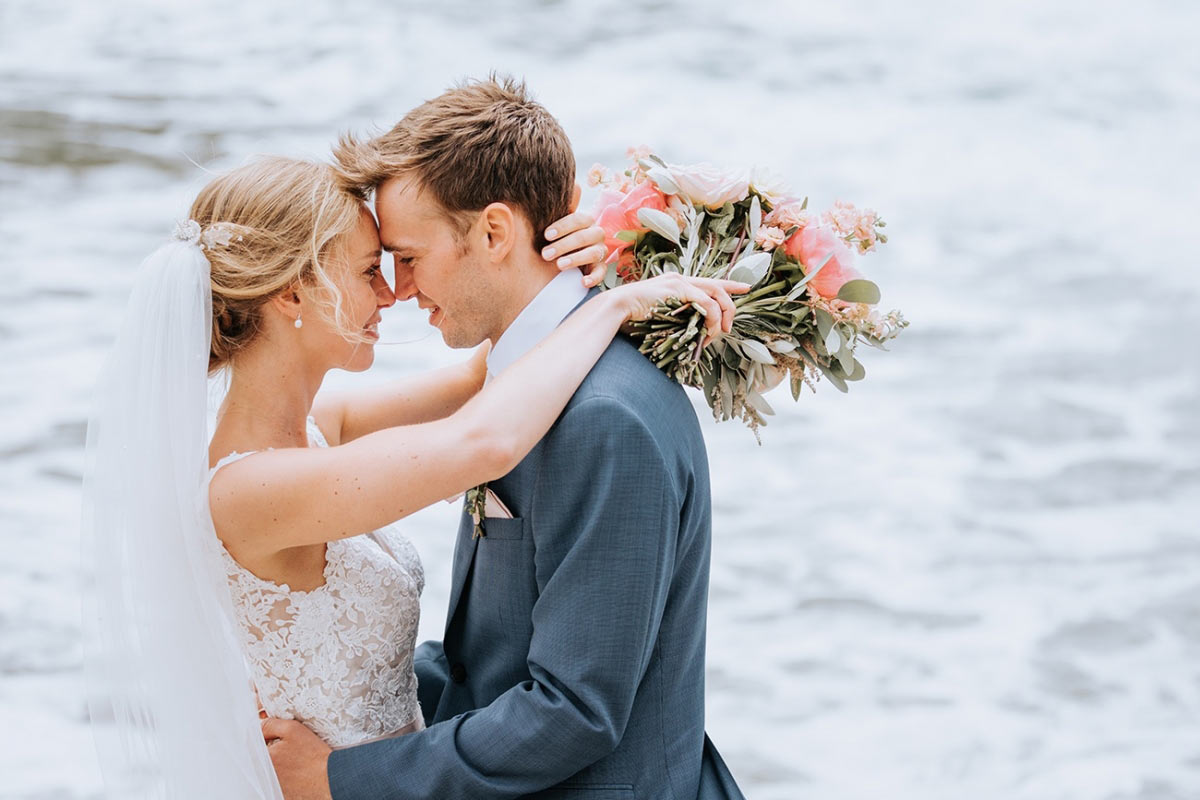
x: 573, y: 659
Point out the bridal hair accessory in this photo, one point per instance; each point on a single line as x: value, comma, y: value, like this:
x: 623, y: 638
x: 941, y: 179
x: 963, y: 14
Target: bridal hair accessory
x: 219, y: 234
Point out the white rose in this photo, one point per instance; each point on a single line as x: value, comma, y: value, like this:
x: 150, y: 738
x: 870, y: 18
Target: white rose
x: 769, y: 185
x: 705, y: 185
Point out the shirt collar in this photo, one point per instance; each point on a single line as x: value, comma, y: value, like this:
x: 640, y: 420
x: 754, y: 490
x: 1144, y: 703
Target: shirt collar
x: 538, y: 319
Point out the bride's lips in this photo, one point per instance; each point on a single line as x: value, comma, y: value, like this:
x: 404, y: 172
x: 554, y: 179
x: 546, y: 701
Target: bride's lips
x: 371, y: 329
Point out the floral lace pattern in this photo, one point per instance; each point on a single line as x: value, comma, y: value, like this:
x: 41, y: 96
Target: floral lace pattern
x: 339, y: 657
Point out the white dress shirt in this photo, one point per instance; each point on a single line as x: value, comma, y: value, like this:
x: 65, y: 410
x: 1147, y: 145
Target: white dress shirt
x: 538, y: 319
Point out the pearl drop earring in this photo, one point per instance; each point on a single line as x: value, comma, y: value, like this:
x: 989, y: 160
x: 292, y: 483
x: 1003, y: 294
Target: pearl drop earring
x: 298, y: 322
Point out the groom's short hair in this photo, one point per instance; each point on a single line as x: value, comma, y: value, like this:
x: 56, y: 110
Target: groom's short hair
x: 481, y: 142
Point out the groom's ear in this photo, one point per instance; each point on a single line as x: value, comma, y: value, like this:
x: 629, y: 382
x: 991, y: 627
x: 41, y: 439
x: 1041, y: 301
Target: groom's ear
x: 500, y: 230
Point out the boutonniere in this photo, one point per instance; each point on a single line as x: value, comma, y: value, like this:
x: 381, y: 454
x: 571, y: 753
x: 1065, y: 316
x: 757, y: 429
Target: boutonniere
x: 477, y: 507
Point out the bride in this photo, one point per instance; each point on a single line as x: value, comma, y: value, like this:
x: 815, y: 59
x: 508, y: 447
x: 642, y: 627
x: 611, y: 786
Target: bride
x: 263, y: 561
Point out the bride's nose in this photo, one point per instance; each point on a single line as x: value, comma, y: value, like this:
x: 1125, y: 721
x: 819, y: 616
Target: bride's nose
x: 384, y: 296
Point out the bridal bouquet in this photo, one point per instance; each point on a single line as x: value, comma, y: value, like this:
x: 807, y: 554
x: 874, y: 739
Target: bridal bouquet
x: 809, y: 307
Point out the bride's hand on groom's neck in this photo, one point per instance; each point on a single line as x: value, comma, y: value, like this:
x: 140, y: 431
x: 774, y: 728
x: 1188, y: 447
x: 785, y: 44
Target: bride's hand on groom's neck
x: 577, y: 242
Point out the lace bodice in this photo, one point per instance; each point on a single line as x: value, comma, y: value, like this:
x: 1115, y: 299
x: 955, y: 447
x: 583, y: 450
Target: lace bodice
x: 337, y: 658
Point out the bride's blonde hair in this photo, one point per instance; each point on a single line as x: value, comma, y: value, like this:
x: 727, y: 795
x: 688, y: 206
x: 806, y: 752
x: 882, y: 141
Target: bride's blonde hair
x: 280, y: 218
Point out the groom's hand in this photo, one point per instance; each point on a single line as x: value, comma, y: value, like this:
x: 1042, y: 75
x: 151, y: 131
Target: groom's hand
x: 300, y: 759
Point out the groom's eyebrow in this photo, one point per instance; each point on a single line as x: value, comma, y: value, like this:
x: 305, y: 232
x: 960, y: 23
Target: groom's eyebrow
x: 391, y: 247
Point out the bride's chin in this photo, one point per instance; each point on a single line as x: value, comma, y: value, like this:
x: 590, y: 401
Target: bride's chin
x: 361, y: 360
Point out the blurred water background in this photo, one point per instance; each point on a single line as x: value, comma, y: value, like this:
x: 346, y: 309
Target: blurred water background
x: 977, y: 575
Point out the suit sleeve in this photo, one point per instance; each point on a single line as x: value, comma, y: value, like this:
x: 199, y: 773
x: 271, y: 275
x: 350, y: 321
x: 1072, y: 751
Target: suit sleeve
x: 605, y: 524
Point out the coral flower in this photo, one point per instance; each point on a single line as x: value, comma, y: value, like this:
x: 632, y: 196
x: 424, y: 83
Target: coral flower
x: 811, y: 245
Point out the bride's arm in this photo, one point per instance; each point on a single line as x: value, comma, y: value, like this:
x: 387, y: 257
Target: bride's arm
x: 577, y: 242
x: 428, y: 396
x: 286, y: 498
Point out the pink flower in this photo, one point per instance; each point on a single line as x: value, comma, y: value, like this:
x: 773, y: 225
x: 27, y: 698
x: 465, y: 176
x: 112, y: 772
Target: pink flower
x: 789, y: 215
x: 597, y: 175
x: 616, y: 212
x: 811, y: 245
x: 639, y: 152
x: 769, y: 237
x: 705, y: 185
x: 854, y: 224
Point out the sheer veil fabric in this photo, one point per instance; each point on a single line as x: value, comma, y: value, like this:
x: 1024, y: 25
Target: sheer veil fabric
x: 168, y: 690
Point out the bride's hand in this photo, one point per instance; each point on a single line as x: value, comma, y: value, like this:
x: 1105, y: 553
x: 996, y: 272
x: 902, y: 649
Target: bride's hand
x: 710, y: 296
x: 577, y: 242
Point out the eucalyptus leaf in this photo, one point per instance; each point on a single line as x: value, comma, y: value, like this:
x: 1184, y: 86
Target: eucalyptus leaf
x: 730, y: 356
x: 611, y: 279
x: 663, y: 180
x: 751, y: 269
x: 760, y: 403
x: 757, y: 351
x: 782, y: 345
x: 627, y: 236
x: 824, y: 321
x: 660, y: 222
x: 833, y: 341
x: 857, y: 371
x: 845, y: 358
x: 797, y: 385
x: 859, y: 291
x: 834, y: 378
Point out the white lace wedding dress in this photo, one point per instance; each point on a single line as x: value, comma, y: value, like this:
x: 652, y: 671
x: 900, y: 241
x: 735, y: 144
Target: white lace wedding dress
x: 338, y: 658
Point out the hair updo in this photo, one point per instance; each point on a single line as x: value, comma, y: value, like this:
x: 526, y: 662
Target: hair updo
x: 280, y: 218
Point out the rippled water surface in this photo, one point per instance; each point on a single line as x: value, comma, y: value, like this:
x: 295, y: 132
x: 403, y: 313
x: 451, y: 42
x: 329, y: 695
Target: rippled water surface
x: 978, y: 575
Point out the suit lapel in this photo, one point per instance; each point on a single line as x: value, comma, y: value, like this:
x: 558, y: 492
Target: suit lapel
x: 467, y: 544
x: 464, y: 555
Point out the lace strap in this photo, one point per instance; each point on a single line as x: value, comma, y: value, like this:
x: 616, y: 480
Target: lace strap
x: 314, y: 434
x: 229, y: 459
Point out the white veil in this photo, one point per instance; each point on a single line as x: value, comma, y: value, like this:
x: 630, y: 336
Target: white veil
x: 169, y: 692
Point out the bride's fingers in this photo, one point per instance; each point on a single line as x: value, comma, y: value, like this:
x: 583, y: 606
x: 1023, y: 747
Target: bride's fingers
x: 568, y: 245
x: 569, y: 224
x: 595, y: 273
x: 593, y: 255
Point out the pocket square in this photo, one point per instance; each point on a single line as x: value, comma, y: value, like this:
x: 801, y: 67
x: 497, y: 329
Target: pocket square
x: 494, y: 507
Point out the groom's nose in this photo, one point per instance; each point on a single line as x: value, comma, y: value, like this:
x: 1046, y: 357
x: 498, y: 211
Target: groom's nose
x: 406, y: 287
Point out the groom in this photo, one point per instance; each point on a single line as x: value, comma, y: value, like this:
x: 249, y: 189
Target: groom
x: 573, y: 659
